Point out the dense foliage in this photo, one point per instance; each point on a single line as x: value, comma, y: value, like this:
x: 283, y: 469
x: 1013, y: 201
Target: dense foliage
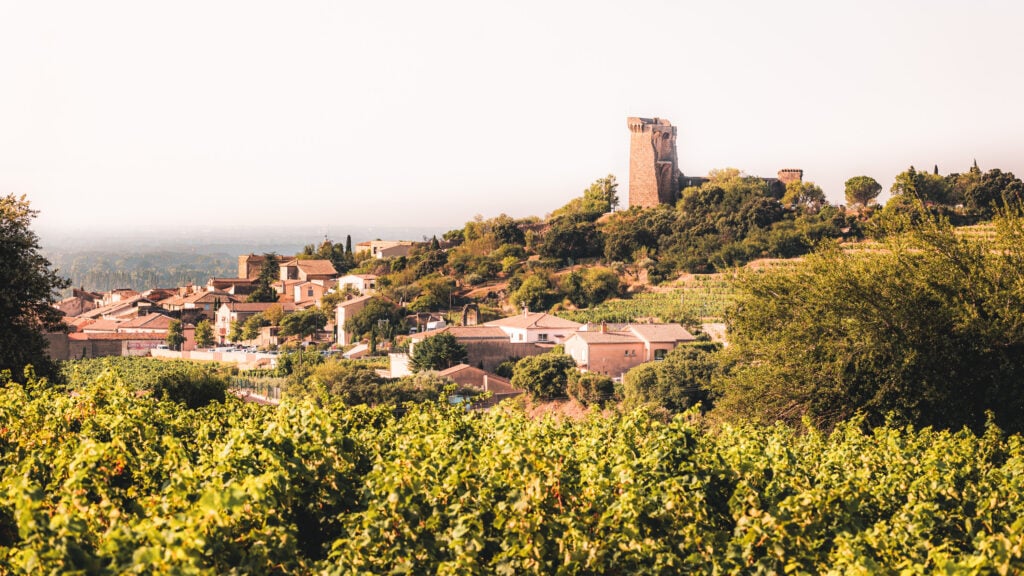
x: 269, y: 275
x: 28, y: 288
x: 437, y: 353
x: 544, y: 375
x: 703, y: 297
x: 106, y: 482
x: 927, y: 325
x: 677, y: 382
x: 176, y: 380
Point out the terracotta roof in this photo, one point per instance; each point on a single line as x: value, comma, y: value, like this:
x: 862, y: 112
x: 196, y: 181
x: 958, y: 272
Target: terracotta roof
x: 116, y: 336
x: 212, y: 295
x: 172, y: 301
x: 482, y: 332
x: 111, y: 308
x: 103, y: 325
x: 609, y: 327
x: 355, y: 300
x: 317, y: 267
x: 637, y: 333
x: 152, y: 321
x: 79, y: 322
x: 534, y: 320
x: 229, y: 281
x: 464, y: 373
x: 258, y: 306
x: 661, y: 332
x: 606, y: 337
x: 159, y: 293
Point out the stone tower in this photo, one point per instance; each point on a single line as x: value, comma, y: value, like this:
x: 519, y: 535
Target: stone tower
x: 787, y: 175
x: 653, y: 165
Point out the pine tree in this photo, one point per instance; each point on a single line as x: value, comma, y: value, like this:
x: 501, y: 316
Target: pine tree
x: 28, y: 289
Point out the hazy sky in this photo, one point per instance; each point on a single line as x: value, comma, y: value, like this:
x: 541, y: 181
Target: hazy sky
x: 163, y: 114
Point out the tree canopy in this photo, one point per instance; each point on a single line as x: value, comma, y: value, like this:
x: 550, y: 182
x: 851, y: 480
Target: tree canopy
x: 862, y: 190
x: 438, y: 352
x: 175, y: 335
x: 304, y: 323
x: 28, y: 289
x: 204, y: 334
x: 544, y: 375
x: 377, y: 311
x: 927, y: 328
x: 269, y: 275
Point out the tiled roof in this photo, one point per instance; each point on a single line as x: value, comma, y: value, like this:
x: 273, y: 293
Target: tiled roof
x: 79, y: 322
x: 153, y: 321
x: 229, y: 281
x: 481, y: 332
x: 211, y: 296
x: 463, y: 372
x: 661, y: 332
x: 637, y: 333
x: 534, y: 320
x: 172, y: 301
x: 317, y: 267
x: 606, y: 337
x: 111, y: 308
x: 258, y: 306
x: 608, y: 326
x: 116, y: 336
x: 355, y: 300
x: 103, y: 325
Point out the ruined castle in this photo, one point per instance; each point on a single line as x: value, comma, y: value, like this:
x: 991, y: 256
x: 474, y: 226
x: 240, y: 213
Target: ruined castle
x: 654, y: 175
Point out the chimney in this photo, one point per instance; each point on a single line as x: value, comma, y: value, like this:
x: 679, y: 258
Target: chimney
x: 604, y: 327
x: 526, y: 310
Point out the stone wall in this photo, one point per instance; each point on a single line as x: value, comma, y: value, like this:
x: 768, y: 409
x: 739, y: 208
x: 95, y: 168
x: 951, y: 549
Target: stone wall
x: 654, y: 175
x: 653, y: 162
x: 487, y: 354
x: 787, y: 175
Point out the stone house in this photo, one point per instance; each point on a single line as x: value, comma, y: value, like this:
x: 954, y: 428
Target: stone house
x: 240, y: 312
x: 615, y: 351
x: 306, y: 270
x: 490, y: 344
x: 307, y: 294
x: 381, y: 249
x: 345, y: 310
x: 467, y: 376
x: 364, y: 283
x: 535, y: 327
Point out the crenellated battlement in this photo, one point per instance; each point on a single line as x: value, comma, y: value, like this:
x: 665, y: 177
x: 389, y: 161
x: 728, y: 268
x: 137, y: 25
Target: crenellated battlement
x: 653, y: 165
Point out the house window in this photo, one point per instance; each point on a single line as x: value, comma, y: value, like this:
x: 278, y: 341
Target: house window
x: 542, y: 337
x: 659, y: 354
x: 309, y: 292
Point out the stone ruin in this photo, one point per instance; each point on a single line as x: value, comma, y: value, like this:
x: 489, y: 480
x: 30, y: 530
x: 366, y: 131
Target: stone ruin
x: 654, y: 175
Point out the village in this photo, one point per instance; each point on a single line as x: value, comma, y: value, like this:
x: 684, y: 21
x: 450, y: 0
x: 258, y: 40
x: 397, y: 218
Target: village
x: 124, y: 322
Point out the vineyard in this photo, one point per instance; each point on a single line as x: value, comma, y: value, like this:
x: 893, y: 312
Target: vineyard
x: 703, y: 297
x: 104, y: 481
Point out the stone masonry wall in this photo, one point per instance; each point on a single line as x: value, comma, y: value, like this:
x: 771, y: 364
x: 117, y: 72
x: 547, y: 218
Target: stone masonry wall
x: 653, y: 163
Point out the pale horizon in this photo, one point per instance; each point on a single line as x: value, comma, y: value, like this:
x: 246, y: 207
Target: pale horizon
x: 153, y: 117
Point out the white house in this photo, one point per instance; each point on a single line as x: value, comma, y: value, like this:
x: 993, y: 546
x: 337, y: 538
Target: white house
x: 536, y: 327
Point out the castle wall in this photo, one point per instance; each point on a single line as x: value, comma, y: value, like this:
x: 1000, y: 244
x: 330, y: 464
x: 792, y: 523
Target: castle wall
x: 653, y: 163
